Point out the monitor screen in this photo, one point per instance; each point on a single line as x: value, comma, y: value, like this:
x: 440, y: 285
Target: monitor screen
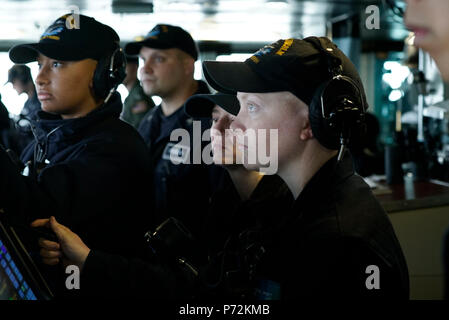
x: 19, y: 277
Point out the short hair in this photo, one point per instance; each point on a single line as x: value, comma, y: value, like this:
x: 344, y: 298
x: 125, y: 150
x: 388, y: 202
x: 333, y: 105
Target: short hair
x: 19, y: 72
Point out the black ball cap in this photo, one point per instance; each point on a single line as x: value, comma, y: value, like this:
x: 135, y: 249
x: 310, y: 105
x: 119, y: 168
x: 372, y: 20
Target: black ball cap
x: 70, y: 38
x: 295, y: 65
x: 165, y: 36
x: 201, y: 105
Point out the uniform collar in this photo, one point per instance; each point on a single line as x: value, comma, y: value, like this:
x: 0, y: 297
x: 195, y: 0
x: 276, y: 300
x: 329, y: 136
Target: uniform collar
x: 318, y: 189
x: 47, y: 122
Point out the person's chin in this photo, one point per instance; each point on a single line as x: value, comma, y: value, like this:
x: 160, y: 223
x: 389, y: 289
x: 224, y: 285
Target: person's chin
x: 424, y: 43
x: 148, y: 87
x: 428, y: 41
x: 251, y: 167
x: 218, y: 160
x: 48, y: 107
x: 222, y: 160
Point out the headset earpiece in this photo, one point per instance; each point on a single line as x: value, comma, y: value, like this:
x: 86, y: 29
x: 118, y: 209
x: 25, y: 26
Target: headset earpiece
x: 336, y: 111
x: 110, y: 72
x: 117, y: 67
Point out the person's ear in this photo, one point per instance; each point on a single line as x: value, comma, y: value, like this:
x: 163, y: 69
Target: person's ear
x: 91, y: 87
x: 306, y: 131
x: 91, y: 83
x: 189, y: 65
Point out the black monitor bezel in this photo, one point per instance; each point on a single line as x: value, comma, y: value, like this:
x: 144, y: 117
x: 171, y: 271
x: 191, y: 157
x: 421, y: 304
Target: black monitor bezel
x: 24, y: 262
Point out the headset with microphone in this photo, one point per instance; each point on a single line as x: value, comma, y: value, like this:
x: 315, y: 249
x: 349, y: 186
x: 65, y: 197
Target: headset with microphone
x: 337, y: 109
x: 109, y: 74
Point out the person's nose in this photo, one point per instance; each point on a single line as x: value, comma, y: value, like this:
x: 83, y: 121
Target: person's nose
x: 42, y: 78
x: 237, y: 123
x: 147, y: 68
x: 222, y: 124
x: 217, y: 131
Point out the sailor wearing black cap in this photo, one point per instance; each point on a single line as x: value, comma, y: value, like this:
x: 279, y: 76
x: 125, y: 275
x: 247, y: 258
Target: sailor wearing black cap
x: 241, y: 208
x: 336, y: 241
x: 85, y: 163
x: 180, y: 188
